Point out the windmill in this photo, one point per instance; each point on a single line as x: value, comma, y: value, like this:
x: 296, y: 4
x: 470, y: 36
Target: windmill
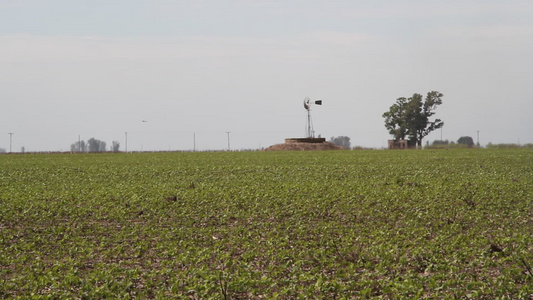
x: 310, y: 133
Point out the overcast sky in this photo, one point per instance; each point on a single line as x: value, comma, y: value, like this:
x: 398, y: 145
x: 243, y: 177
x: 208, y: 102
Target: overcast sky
x: 98, y: 68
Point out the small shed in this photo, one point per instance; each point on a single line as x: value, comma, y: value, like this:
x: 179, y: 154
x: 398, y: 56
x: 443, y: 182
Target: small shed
x: 398, y: 144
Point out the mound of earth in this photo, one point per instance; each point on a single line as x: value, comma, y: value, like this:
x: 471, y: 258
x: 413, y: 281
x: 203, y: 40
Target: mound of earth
x: 304, y: 147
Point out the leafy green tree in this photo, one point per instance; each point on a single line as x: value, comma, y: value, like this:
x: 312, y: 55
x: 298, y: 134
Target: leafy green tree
x: 466, y: 140
x: 411, y: 117
x: 395, y: 119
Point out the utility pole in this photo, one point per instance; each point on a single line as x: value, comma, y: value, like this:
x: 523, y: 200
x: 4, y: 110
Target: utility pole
x: 126, y: 144
x: 228, y: 132
x: 478, y: 138
x: 194, y: 141
x: 10, y: 141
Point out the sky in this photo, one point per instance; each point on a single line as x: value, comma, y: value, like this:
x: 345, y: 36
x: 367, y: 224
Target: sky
x: 179, y: 75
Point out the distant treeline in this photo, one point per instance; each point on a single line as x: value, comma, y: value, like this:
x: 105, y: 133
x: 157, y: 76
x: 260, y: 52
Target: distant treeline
x: 503, y: 146
x: 93, y: 145
x: 466, y: 143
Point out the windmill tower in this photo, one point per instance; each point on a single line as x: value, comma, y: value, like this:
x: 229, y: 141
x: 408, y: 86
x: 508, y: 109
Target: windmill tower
x: 310, y: 132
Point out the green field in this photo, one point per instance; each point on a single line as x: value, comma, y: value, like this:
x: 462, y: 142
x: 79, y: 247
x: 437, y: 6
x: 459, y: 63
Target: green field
x: 332, y: 224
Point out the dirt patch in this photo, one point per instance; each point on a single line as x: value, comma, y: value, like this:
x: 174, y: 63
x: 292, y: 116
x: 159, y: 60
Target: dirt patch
x: 304, y: 147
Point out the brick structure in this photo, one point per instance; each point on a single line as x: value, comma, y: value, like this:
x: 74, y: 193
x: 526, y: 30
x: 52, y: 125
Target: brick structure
x: 398, y: 144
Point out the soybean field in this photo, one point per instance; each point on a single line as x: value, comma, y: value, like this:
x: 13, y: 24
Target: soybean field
x: 384, y: 224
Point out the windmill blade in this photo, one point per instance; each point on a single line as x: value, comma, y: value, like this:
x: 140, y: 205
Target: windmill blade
x: 307, y: 103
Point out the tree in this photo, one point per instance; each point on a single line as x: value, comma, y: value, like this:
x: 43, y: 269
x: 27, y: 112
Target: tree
x: 95, y: 145
x: 411, y: 117
x: 395, y: 119
x: 78, y: 146
x: 115, y: 146
x: 466, y: 140
x: 342, y: 141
